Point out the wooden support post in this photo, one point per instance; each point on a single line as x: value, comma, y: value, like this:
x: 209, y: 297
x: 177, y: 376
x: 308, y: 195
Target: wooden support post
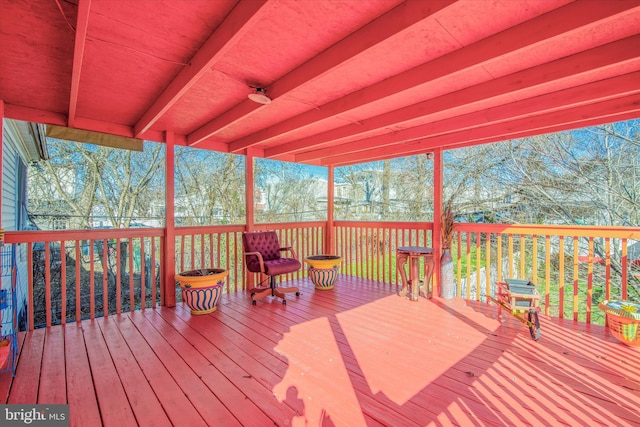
x: 437, y: 215
x: 249, y: 208
x: 330, y: 240
x: 249, y: 190
x: 170, y: 234
x: 1, y: 155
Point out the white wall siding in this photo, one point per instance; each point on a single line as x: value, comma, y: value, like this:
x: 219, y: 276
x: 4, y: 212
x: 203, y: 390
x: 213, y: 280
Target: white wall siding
x: 12, y: 149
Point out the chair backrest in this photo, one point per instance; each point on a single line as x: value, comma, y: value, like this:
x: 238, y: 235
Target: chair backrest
x: 265, y: 242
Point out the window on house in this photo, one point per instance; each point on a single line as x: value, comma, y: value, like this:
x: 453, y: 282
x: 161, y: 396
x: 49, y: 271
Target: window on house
x: 22, y: 219
x: 59, y: 224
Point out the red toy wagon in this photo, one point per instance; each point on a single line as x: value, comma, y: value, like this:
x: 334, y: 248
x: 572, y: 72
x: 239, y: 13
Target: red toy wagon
x: 519, y: 297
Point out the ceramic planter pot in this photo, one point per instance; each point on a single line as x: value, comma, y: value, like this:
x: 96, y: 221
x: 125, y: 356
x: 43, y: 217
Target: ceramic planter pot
x: 202, y: 289
x: 323, y: 270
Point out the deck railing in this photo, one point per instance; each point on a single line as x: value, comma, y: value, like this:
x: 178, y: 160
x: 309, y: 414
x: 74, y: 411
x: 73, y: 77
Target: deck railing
x: 574, y: 267
x: 83, y: 274
x: 107, y: 272
x: 80, y: 274
x: 368, y: 248
x: 221, y: 247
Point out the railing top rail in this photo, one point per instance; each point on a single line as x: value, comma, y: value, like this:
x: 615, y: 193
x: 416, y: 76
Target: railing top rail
x: 384, y: 224
x: 201, y: 229
x: 553, y: 230
x: 288, y: 225
x: 515, y: 229
x: 91, y: 234
x: 33, y: 236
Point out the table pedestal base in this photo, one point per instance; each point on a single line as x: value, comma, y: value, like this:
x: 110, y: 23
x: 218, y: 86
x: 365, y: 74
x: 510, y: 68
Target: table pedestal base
x: 411, y: 286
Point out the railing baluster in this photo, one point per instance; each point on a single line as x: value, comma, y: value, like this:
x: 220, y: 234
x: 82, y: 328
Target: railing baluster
x: 181, y: 266
x: 105, y: 277
x: 487, y: 257
x: 576, y: 272
x: 92, y: 282
x: 589, y: 281
x: 143, y: 292
x: 77, y: 284
x: 534, y: 259
x: 625, y: 277
x: 547, y: 275
x: 132, y: 302
x: 510, y: 255
x: 152, y: 268
x: 607, y: 268
x: 63, y: 283
x: 118, y: 276
x: 478, y: 253
x: 393, y: 261
x: 499, y: 256
x: 459, y: 261
x: 47, y: 281
x: 468, y: 263
x: 561, y: 277
x: 30, y: 285
x: 523, y: 252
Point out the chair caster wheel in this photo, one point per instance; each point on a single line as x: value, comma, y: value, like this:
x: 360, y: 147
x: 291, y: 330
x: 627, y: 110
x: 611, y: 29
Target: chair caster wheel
x: 297, y: 294
x: 254, y: 303
x: 284, y: 302
x: 252, y: 294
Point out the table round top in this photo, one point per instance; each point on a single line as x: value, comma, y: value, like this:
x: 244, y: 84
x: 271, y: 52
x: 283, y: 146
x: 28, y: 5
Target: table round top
x: 415, y: 249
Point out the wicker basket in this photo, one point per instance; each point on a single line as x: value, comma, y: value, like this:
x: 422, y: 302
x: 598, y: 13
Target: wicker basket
x: 622, y: 324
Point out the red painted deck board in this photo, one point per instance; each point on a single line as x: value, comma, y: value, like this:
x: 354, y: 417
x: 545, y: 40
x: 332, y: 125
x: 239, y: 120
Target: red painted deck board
x: 190, y: 387
x: 115, y: 409
x: 176, y: 404
x: 354, y: 355
x: 53, y: 387
x: 228, y: 394
x: 28, y: 369
x: 144, y: 403
x: 81, y: 396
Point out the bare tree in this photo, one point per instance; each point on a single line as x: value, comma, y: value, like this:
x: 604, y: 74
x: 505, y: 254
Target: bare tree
x: 291, y: 192
x: 209, y: 187
x: 85, y: 177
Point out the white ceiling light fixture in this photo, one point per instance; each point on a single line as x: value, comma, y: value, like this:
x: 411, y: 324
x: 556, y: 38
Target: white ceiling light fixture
x: 259, y: 95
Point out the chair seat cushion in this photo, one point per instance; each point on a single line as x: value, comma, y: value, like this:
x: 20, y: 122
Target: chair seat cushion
x: 281, y: 266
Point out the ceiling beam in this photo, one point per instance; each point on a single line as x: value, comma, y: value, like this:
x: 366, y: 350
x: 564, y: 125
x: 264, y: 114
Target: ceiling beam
x: 27, y: 114
x: 82, y: 24
x: 380, y: 155
x: 240, y: 20
x: 608, y: 111
x: 589, y: 61
x: 565, y: 99
x: 420, y: 148
x: 559, y: 22
x: 391, y: 23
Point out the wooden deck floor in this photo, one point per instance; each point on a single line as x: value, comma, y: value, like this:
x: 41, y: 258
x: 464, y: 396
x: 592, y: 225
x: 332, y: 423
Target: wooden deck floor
x: 357, y: 355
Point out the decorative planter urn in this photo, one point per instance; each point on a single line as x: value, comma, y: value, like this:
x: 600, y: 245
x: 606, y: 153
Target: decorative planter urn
x: 323, y: 270
x: 448, y: 286
x: 202, y: 288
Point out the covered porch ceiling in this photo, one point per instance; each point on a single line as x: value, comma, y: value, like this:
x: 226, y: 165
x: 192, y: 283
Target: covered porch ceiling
x: 350, y: 81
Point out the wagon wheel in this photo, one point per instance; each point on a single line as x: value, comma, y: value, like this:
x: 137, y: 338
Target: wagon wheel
x: 534, y: 324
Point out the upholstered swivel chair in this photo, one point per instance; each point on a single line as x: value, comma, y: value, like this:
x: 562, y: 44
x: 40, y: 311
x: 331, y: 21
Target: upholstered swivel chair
x: 262, y: 254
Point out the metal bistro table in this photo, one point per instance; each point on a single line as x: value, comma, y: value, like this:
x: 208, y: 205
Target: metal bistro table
x: 413, y: 255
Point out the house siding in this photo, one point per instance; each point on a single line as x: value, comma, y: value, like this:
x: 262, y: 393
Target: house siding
x: 13, y: 149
